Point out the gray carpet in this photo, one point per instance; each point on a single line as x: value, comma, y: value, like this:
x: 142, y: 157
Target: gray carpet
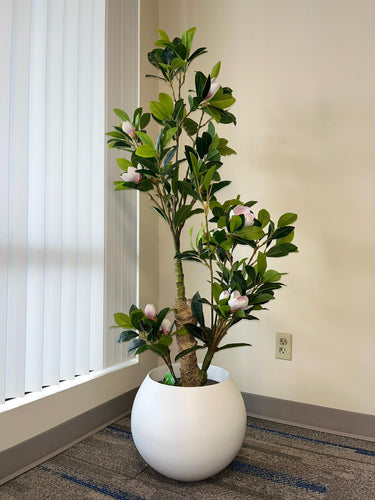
x: 276, y: 462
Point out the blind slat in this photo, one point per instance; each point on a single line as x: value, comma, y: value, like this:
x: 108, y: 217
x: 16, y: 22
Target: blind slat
x: 5, y: 53
x: 18, y: 200
x: 37, y: 172
x: 54, y: 111
x: 69, y: 191
x: 84, y: 188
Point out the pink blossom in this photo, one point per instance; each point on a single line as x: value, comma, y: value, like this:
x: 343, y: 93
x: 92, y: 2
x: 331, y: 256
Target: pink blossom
x: 150, y: 311
x: 131, y: 175
x: 166, y: 325
x: 238, y: 302
x: 245, y: 211
x: 128, y: 128
x: 213, y: 88
x: 224, y: 295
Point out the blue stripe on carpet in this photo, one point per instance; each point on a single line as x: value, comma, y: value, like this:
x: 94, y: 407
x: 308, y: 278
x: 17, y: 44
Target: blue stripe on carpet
x: 276, y: 477
x: 115, y: 430
x: 318, y: 441
x: 93, y: 485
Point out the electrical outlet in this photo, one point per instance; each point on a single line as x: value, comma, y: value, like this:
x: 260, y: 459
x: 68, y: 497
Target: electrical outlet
x: 283, y: 346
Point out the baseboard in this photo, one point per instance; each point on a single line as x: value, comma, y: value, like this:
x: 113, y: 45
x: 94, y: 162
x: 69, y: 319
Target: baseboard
x: 347, y: 423
x: 28, y: 454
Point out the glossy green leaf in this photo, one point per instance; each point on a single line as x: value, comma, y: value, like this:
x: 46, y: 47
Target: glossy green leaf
x: 287, y: 219
x: 261, y: 263
x: 271, y: 276
x: 145, y: 139
x: 126, y: 336
x: 251, y: 233
x: 122, y: 320
x: 123, y: 163
x: 264, y: 217
x: 197, y: 309
x: 122, y: 115
x: 146, y: 151
x: 215, y: 70
x: 230, y: 346
x: 188, y: 351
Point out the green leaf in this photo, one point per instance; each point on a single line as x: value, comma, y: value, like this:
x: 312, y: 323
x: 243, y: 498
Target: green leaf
x: 123, y: 320
x: 135, y: 344
x: 169, y: 133
x: 230, y: 346
x: 208, y: 178
x: 163, y: 35
x: 281, y: 232
x: 159, y: 212
x: 123, y: 163
x: 162, y: 109
x: 271, y: 275
x: 235, y: 223
x: 145, y: 138
x: 122, y: 115
x: 126, y: 336
x: 221, y: 100
x: 197, y: 309
x: 281, y: 250
x: 181, y: 215
x: 146, y: 151
x: 251, y: 233
x: 144, y: 121
x: 287, y: 219
x: 165, y: 340
x: 190, y: 126
x: 261, y: 263
x: 188, y: 351
x: 261, y: 298
x: 215, y: 70
x: 216, y: 290
x: 264, y: 217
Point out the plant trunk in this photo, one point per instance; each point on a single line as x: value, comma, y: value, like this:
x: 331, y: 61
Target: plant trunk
x: 190, y: 373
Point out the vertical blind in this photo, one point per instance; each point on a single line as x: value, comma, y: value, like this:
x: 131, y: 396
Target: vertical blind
x: 54, y: 191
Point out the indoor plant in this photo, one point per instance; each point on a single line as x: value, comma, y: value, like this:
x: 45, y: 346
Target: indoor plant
x: 180, y: 173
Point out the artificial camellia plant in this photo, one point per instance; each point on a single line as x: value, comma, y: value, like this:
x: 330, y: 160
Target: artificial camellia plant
x: 180, y: 172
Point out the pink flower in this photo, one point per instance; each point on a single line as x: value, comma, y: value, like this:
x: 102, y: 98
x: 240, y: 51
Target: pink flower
x: 128, y: 128
x: 131, y: 175
x: 224, y: 295
x: 166, y: 325
x: 245, y: 211
x: 150, y: 311
x: 213, y: 88
x: 238, y: 302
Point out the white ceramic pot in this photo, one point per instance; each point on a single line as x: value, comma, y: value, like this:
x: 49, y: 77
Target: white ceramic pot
x: 188, y: 433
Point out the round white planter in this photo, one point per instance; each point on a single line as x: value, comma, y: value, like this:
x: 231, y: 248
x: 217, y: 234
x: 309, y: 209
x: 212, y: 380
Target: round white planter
x: 188, y: 433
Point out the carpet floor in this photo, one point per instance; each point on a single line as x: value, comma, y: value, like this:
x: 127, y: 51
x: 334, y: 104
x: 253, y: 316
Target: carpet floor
x: 276, y: 461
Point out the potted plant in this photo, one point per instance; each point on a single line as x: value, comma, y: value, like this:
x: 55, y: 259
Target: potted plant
x: 180, y: 173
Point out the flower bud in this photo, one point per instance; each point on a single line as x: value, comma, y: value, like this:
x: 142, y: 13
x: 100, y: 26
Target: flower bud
x: 150, y: 311
x: 131, y: 175
x: 238, y: 302
x: 224, y: 295
x: 213, y: 88
x: 166, y: 325
x: 128, y: 128
x: 245, y: 211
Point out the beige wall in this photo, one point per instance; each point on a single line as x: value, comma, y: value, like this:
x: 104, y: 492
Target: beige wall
x: 304, y: 76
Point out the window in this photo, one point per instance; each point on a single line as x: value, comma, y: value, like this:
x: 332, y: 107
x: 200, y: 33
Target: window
x: 67, y: 262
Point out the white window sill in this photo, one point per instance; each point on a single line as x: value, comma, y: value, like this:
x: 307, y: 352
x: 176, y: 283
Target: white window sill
x: 11, y: 404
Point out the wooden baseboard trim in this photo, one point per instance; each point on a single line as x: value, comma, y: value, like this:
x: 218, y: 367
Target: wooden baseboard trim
x: 346, y: 423
x: 32, y: 452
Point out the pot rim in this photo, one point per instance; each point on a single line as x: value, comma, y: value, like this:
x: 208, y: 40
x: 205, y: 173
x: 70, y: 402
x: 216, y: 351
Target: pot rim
x: 216, y: 373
